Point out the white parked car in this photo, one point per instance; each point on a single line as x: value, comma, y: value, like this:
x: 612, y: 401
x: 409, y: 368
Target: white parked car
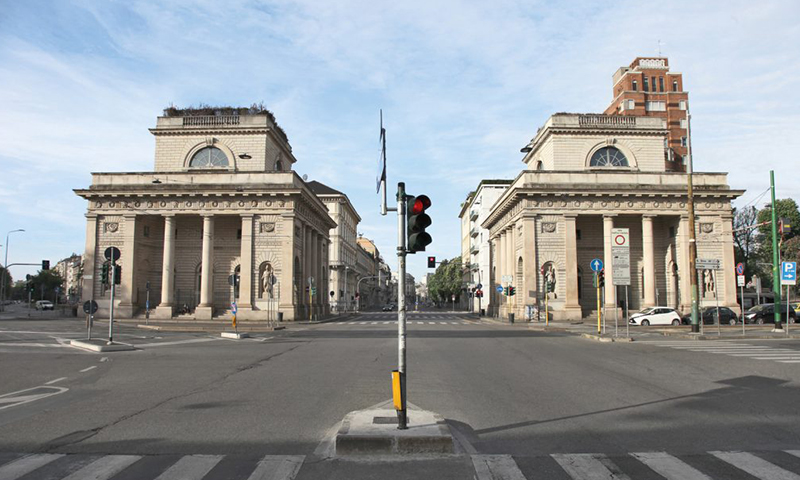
x: 655, y: 316
x: 44, y: 305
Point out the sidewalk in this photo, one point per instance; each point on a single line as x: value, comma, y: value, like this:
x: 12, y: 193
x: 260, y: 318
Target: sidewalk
x: 708, y: 332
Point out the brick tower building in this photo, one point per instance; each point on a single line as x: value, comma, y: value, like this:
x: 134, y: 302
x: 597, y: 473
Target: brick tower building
x: 647, y: 88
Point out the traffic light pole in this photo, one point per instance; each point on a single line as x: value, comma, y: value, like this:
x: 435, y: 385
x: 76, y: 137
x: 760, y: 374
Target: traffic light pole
x: 111, y: 310
x: 692, y: 238
x: 402, y: 414
x: 776, y: 256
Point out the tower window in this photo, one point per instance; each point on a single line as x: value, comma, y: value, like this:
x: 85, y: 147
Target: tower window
x: 674, y: 85
x: 209, y: 157
x: 608, y: 157
x: 683, y: 141
x: 660, y: 84
x: 635, y: 86
x: 653, y: 83
x: 682, y: 105
x: 645, y: 85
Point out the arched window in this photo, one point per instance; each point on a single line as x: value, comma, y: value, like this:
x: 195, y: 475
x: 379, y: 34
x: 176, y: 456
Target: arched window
x: 608, y: 157
x: 209, y: 157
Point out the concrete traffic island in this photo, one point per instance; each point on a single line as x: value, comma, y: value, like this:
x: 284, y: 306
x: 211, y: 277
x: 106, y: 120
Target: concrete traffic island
x: 235, y: 335
x: 374, y: 432
x: 101, y: 345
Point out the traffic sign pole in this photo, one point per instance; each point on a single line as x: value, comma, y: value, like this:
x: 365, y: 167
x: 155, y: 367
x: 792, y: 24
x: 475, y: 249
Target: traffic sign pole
x: 775, y: 254
x: 111, y: 310
x: 599, y: 312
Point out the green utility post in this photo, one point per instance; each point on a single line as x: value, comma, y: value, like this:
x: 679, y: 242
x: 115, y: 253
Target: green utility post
x: 776, y: 255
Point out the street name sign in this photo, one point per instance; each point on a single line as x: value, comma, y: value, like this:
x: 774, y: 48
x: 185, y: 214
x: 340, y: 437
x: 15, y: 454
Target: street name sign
x: 706, y: 264
x: 621, y: 256
x: 788, y: 273
x: 596, y: 265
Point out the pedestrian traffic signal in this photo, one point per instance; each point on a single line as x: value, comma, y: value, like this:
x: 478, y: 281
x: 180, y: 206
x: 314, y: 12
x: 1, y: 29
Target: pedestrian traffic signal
x: 431, y: 262
x: 117, y: 274
x: 104, y: 274
x: 505, y: 291
x: 512, y: 291
x: 784, y: 226
x: 550, y: 287
x: 45, y: 264
x: 601, y: 278
x: 416, y: 223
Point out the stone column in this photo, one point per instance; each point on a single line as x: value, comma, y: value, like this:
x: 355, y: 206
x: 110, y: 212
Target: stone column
x: 167, y: 307
x: 91, y: 272
x: 245, y: 300
x: 685, y: 280
x: 286, y: 276
x: 728, y: 273
x: 572, y: 306
x: 649, y: 261
x: 127, y: 291
x: 501, y: 264
x: 205, y: 311
x: 528, y: 291
x: 511, y: 265
x: 608, y: 225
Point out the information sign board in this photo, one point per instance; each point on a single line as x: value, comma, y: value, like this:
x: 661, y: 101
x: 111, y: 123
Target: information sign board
x: 621, y: 256
x: 788, y: 273
x: 740, y: 280
x: 706, y: 264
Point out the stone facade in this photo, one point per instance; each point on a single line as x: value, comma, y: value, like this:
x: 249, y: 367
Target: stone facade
x: 475, y: 245
x: 191, y: 227
x: 557, y: 215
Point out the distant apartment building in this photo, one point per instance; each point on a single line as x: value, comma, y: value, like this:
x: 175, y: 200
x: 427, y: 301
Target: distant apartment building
x: 70, y: 270
x: 647, y: 88
x: 475, y: 245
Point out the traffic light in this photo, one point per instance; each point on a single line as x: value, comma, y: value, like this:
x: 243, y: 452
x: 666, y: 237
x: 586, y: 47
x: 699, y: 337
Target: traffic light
x: 416, y: 223
x: 784, y: 226
x: 505, y: 291
x: 104, y: 274
x: 431, y: 262
x: 551, y: 287
x: 117, y: 274
x: 45, y: 264
x: 512, y: 291
x: 601, y: 278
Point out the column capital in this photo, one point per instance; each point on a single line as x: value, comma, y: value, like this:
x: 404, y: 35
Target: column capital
x: 91, y: 216
x: 207, y: 215
x: 609, y: 215
x: 648, y: 216
x: 247, y: 215
x: 570, y: 216
x: 168, y: 215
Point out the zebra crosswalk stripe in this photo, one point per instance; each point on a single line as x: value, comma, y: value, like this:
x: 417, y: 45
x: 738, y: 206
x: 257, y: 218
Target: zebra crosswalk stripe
x: 26, y: 464
x: 104, y: 468
x: 491, y: 467
x: 755, y: 466
x: 191, y: 467
x: 669, y: 467
x: 588, y: 466
x: 278, y: 467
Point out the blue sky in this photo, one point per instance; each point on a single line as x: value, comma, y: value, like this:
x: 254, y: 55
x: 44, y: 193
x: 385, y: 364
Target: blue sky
x: 463, y: 86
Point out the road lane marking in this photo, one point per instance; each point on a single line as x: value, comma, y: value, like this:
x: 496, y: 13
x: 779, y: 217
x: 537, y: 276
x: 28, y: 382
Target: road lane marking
x: 25, y: 465
x: 491, y: 467
x: 755, y: 466
x: 789, y: 361
x: 104, y: 468
x: 191, y: 467
x: 589, y: 466
x: 89, y: 368
x: 669, y: 467
x: 9, y: 400
x: 56, y: 380
x: 278, y: 467
x: 177, y: 342
x: 23, y: 344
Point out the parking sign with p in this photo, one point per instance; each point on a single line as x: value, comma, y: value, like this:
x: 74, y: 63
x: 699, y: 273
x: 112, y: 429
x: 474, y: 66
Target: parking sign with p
x: 788, y: 273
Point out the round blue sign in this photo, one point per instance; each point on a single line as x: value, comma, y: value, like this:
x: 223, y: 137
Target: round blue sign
x: 596, y: 265
x: 499, y: 288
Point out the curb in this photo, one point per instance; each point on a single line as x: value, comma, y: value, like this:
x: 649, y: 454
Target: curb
x: 600, y: 338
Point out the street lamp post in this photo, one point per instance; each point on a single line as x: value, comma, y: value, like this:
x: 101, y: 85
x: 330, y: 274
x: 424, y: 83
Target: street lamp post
x: 6, y: 275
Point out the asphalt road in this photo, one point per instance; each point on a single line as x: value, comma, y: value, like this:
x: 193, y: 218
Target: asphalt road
x: 524, y: 404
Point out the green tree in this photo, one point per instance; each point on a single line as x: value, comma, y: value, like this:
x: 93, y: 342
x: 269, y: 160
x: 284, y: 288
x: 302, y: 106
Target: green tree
x: 785, y: 208
x: 745, y: 242
x: 446, y: 281
x: 8, y: 281
x: 45, y: 284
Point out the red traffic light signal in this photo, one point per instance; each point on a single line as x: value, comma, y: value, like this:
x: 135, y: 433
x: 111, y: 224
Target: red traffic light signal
x: 416, y: 223
x: 431, y: 262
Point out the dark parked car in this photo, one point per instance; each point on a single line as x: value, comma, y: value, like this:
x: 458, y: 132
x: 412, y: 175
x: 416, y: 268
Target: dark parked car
x: 765, y: 313
x: 709, y: 316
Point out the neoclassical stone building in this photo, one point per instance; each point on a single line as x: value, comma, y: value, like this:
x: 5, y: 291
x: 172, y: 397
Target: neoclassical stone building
x: 222, y: 202
x: 587, y: 174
